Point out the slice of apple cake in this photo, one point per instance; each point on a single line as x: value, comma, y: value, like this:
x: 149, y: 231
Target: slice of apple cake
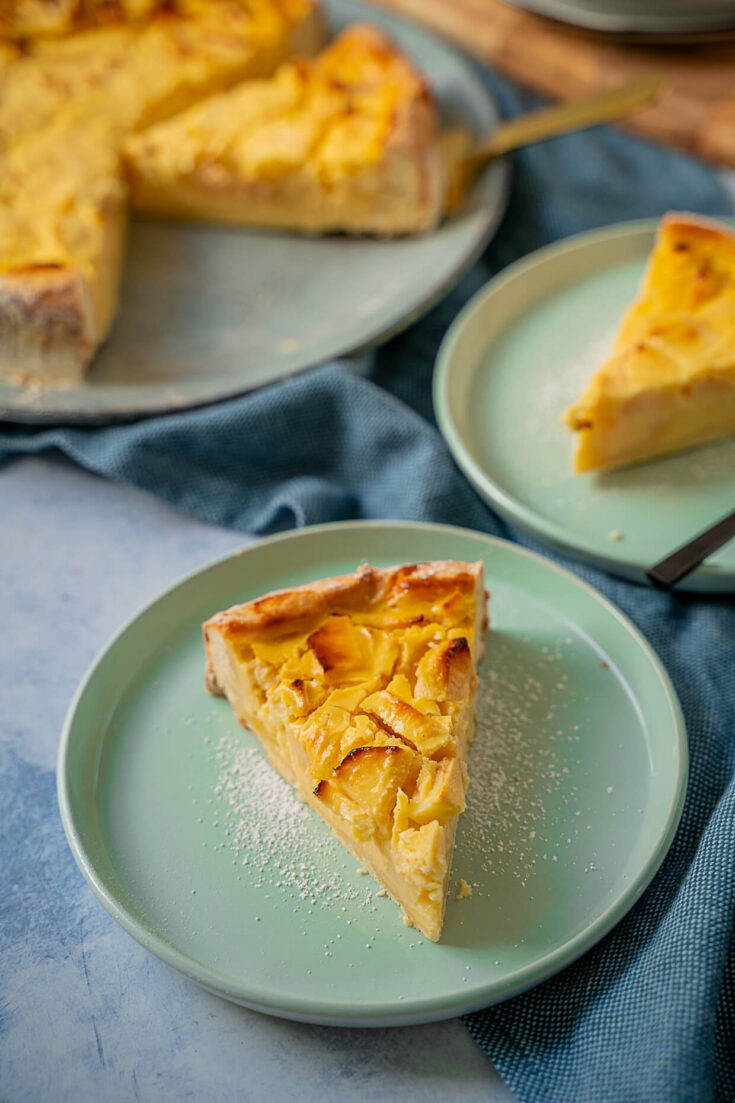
x: 349, y: 140
x: 362, y: 690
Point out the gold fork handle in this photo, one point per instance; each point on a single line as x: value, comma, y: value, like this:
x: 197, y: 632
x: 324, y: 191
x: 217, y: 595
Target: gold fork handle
x: 600, y: 107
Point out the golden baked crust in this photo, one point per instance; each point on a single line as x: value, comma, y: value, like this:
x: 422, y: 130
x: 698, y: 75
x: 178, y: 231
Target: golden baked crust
x: 670, y: 381
x: 8, y: 52
x: 66, y: 105
x: 348, y: 141
x: 361, y: 689
x: 132, y: 75
x: 25, y: 19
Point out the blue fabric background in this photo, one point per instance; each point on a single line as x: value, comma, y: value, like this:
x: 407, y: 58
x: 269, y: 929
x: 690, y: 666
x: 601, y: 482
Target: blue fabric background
x: 649, y: 1014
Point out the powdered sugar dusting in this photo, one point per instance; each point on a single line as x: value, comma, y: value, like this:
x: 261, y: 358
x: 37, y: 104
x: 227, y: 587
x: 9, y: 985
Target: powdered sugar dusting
x: 518, y: 761
x: 521, y: 804
x: 269, y: 832
x: 558, y: 388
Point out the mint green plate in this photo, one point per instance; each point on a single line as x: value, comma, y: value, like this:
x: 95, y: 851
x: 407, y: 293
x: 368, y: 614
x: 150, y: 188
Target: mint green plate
x: 515, y: 358
x: 208, y: 860
x: 207, y: 313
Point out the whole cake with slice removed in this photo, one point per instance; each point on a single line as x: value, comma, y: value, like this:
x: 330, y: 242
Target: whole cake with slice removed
x: 347, y: 141
x: 67, y: 102
x: 362, y: 690
x: 669, y: 383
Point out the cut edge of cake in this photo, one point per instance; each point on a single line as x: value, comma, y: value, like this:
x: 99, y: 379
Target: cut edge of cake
x: 54, y: 315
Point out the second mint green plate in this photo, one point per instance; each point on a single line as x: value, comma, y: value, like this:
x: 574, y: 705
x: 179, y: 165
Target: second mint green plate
x: 201, y: 853
x: 515, y: 358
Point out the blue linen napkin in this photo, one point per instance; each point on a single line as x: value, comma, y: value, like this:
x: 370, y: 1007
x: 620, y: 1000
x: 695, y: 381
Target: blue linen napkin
x: 648, y: 1014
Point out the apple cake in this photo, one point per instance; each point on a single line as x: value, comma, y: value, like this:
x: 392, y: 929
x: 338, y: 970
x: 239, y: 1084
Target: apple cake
x: 347, y: 141
x: 28, y: 19
x: 361, y: 689
x: 67, y: 102
x: 669, y: 383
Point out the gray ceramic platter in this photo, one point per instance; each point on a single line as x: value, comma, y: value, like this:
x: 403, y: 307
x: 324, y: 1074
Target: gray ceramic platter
x: 655, y: 17
x: 208, y: 313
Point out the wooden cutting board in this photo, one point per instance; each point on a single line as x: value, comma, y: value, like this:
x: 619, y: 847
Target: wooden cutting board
x: 696, y: 112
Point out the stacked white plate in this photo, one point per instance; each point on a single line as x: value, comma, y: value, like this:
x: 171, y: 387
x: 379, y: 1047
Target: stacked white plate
x: 658, y: 17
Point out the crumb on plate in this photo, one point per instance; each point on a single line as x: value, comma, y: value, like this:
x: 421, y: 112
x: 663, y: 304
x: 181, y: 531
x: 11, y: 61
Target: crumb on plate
x: 463, y: 889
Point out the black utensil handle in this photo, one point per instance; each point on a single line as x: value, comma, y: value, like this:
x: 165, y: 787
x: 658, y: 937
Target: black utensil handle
x: 679, y: 564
